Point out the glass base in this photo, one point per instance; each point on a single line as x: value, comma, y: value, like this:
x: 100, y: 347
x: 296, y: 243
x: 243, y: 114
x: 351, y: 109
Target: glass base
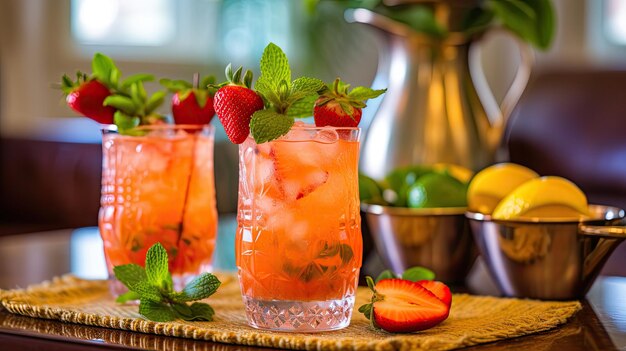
x: 299, y: 316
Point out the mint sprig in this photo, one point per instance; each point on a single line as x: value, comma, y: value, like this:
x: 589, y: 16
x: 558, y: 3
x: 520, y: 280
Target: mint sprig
x: 153, y: 287
x: 285, y: 99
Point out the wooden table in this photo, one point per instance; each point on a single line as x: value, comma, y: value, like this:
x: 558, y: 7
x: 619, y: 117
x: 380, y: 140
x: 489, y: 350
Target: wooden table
x: 601, y: 325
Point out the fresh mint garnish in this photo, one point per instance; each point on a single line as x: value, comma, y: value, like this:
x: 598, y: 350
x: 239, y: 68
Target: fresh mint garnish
x: 267, y: 125
x: 413, y: 274
x: 152, y: 286
x: 286, y: 99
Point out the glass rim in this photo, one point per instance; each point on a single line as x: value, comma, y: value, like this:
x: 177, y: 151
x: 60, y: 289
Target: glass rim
x: 314, y: 127
x: 112, y: 128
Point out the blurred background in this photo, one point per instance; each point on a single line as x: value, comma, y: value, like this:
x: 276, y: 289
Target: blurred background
x: 50, y: 159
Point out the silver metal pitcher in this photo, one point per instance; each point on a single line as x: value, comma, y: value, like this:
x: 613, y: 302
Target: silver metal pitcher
x: 438, y: 106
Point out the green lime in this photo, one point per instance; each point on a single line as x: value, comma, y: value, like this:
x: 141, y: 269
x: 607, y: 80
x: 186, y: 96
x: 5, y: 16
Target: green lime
x: 369, y: 190
x: 437, y: 190
x: 401, y: 179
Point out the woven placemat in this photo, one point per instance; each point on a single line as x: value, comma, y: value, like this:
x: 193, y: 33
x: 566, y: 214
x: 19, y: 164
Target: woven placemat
x: 473, y: 319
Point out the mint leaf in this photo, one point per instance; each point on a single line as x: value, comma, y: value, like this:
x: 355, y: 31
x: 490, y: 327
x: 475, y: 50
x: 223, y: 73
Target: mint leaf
x: 130, y: 274
x: 104, y: 70
x: 386, y: 274
x: 305, y: 86
x: 127, y: 296
x: 274, y: 69
x: 123, y: 103
x: 155, y: 311
x: 364, y: 93
x: 141, y: 77
x: 156, y: 265
x: 200, y: 288
x: 302, y: 108
x: 201, y: 312
x: 155, y: 101
x: 267, y: 125
x: 147, y: 291
x: 182, y: 310
x: 418, y: 273
x: 518, y: 17
x: 175, y: 85
x: 346, y: 253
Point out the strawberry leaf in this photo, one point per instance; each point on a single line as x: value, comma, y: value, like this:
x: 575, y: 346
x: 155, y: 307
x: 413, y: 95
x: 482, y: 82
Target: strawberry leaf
x: 206, y: 81
x: 267, y: 125
x: 370, y: 283
x: 366, y: 310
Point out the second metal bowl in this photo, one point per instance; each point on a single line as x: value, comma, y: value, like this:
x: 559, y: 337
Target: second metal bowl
x: 435, y: 238
x: 547, y: 259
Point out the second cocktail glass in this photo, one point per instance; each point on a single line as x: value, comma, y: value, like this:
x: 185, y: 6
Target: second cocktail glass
x: 299, y: 245
x: 158, y: 186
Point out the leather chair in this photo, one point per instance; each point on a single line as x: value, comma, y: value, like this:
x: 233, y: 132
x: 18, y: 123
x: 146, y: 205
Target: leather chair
x: 573, y: 124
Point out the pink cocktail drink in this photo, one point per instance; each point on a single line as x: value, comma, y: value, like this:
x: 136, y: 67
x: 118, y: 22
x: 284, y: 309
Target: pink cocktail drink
x: 159, y: 187
x: 299, y: 242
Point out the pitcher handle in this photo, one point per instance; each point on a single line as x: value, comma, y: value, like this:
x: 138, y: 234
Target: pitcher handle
x: 610, y: 231
x: 498, y: 115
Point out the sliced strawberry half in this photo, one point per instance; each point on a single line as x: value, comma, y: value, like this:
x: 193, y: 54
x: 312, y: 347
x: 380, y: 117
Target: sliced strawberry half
x: 295, y: 176
x: 439, y: 289
x: 403, y: 306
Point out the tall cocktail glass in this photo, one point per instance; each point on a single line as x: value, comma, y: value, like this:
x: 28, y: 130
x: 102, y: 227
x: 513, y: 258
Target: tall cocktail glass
x: 158, y: 186
x: 298, y: 244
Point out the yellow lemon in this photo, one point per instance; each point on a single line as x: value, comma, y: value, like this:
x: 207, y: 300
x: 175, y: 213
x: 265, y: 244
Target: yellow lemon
x: 459, y: 172
x: 492, y: 184
x: 545, y: 197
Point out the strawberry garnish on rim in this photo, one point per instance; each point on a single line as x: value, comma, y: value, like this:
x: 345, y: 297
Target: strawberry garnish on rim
x: 86, y: 96
x: 192, y: 103
x: 339, y: 107
x: 235, y: 103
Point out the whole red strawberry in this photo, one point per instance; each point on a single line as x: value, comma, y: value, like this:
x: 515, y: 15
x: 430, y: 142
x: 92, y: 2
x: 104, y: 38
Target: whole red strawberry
x: 339, y: 108
x: 87, y: 96
x: 191, y: 103
x: 235, y: 103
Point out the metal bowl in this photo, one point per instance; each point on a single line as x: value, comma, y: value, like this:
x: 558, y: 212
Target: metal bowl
x: 556, y: 259
x: 436, y: 238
